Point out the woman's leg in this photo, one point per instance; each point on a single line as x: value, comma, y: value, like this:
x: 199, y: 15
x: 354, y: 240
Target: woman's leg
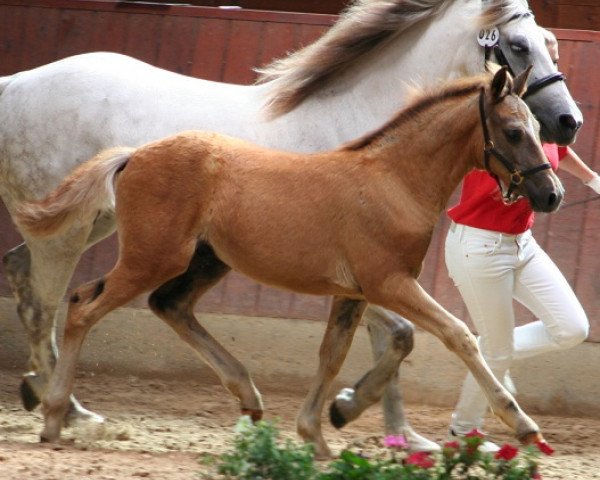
x: 481, y: 264
x: 541, y: 287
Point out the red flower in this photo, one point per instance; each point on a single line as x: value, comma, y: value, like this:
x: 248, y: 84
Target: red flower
x: 452, y: 445
x: 536, y: 476
x: 507, y: 452
x: 544, y: 447
x: 420, y: 459
x: 450, y: 449
x: 475, y: 433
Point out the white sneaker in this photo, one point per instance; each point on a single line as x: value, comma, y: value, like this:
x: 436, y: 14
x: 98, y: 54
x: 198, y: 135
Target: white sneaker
x: 485, y: 447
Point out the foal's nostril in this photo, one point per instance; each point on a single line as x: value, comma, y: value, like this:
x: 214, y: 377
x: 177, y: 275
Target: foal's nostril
x: 568, y: 121
x: 552, y: 198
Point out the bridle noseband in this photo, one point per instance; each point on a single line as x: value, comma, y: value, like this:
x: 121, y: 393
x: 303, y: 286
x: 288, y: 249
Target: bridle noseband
x: 534, y: 86
x: 517, y: 177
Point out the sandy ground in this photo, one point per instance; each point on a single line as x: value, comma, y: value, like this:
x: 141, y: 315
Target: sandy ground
x: 161, y: 429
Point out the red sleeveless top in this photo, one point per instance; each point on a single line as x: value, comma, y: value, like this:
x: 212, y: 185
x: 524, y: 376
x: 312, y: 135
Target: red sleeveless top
x: 481, y: 204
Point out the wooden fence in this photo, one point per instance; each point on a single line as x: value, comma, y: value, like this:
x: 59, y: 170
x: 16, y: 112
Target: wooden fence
x: 224, y: 45
x: 572, y: 14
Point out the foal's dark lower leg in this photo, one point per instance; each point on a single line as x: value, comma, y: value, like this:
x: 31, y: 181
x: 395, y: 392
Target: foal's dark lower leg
x: 174, y: 302
x: 383, y: 378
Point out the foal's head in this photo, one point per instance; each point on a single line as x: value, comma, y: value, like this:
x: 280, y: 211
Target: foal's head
x: 512, y: 150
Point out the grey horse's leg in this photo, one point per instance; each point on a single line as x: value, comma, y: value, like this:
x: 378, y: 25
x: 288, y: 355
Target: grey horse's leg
x: 390, y: 334
x: 38, y: 286
x: 174, y: 303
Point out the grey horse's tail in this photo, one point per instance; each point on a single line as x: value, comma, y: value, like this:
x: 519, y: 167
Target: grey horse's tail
x: 88, y: 190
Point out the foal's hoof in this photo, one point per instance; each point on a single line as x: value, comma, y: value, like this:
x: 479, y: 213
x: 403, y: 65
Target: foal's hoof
x: 255, y: 415
x: 44, y: 439
x: 344, y: 408
x: 532, y: 438
x: 49, y: 435
x: 322, y: 454
x: 335, y: 416
x: 30, y: 384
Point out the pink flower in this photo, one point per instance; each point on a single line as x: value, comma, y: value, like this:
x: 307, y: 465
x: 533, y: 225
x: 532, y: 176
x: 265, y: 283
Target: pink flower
x: 420, y: 459
x: 507, y: 452
x: 544, y: 447
x: 395, y: 441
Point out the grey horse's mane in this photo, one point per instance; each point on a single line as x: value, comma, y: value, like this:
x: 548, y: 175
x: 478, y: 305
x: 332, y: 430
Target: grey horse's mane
x: 361, y: 28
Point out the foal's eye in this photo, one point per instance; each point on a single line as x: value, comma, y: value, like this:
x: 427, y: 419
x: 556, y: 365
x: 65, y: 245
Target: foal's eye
x: 513, y: 135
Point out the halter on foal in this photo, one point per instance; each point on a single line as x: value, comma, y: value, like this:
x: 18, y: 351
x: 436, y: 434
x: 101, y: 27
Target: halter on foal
x: 354, y: 223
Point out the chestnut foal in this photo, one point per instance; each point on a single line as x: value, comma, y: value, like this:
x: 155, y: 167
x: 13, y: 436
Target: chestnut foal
x: 354, y: 223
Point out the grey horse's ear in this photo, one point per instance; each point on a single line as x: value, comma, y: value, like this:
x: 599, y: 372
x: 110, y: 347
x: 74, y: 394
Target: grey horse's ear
x: 500, y: 83
x: 520, y: 81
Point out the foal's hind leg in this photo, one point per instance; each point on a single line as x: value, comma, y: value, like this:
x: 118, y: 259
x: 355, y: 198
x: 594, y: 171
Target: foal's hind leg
x: 343, y: 320
x: 387, y: 331
x: 137, y: 271
x: 174, y: 303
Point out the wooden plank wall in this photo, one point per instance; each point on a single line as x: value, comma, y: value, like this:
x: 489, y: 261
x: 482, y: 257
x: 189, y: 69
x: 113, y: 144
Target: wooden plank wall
x: 225, y: 45
x: 569, y: 14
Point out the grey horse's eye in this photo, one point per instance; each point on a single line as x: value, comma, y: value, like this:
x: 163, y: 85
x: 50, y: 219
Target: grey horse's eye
x: 518, y: 47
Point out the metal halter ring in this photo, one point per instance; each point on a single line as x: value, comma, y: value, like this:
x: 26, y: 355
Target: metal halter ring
x: 516, y: 178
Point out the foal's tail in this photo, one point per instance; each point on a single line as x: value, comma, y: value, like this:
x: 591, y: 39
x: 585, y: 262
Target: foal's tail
x: 88, y: 190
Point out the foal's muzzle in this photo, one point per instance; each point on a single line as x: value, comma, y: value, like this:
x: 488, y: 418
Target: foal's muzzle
x: 546, y: 197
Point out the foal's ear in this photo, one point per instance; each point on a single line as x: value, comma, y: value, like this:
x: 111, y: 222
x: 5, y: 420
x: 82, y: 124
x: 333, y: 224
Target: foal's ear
x: 520, y: 81
x: 500, y: 83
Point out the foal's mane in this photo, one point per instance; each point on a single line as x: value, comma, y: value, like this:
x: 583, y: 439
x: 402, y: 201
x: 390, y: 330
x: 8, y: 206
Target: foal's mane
x: 361, y: 28
x: 421, y: 102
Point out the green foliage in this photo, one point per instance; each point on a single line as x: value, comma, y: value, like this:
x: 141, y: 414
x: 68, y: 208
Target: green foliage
x: 258, y: 456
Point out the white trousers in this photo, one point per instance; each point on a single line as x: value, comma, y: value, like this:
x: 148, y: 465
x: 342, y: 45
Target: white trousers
x: 490, y: 269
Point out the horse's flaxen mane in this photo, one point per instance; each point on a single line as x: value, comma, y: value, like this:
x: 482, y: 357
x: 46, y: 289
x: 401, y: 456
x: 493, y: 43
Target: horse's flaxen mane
x: 420, y: 103
x: 360, y: 29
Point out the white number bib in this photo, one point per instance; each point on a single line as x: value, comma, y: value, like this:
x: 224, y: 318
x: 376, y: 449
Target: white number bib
x: 488, y: 37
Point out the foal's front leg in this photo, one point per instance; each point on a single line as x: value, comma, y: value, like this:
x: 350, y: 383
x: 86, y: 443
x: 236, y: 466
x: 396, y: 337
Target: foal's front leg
x: 409, y: 299
x: 344, y: 317
x: 391, y: 341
